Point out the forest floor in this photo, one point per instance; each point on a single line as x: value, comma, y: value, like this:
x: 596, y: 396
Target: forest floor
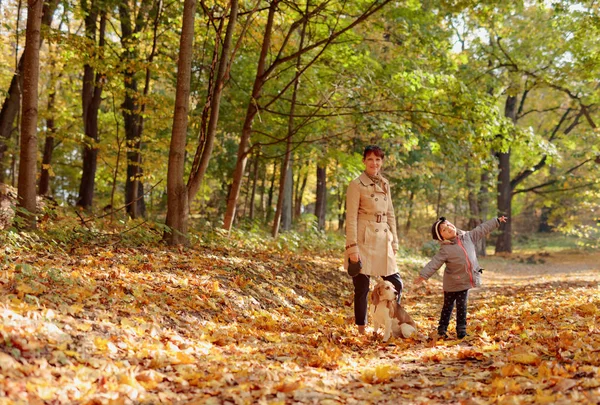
x: 111, y: 325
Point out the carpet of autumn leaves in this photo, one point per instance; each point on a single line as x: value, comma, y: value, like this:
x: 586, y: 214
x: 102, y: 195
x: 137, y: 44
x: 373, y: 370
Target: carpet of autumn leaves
x: 103, y: 324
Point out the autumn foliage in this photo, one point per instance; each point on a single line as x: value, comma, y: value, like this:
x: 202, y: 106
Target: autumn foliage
x: 99, y: 323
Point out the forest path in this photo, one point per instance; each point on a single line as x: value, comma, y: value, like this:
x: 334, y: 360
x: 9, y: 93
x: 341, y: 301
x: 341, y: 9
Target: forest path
x: 110, y: 325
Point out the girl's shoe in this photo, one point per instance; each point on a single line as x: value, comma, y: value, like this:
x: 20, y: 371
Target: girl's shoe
x: 442, y: 336
x: 462, y: 335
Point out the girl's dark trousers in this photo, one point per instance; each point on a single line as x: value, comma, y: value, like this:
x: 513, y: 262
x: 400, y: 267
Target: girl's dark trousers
x: 361, y: 292
x: 450, y: 297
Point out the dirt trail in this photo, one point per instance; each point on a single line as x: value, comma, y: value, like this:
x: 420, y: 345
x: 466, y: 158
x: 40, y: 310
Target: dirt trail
x: 534, y: 329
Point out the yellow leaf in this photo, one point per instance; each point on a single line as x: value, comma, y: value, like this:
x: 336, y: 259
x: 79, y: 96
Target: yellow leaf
x: 589, y: 309
x: 524, y: 358
x: 288, y: 386
x: 511, y: 370
x: 183, y: 358
x: 7, y: 362
x: 101, y: 344
x: 83, y: 326
x: 542, y: 398
x: 75, y: 309
x: 149, y: 379
x: 379, y: 374
x: 31, y: 287
x: 272, y: 337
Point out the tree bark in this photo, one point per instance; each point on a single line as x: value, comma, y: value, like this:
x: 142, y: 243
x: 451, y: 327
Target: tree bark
x: 12, y: 102
x: 411, y: 201
x: 483, y: 201
x: 177, y: 199
x: 26, y: 194
x: 90, y: 100
x: 504, y: 189
x: 269, y: 210
x: 44, y: 185
x: 202, y: 159
x: 131, y: 108
x: 474, y: 214
x: 242, y: 155
x: 254, y: 184
x: 288, y: 199
x: 300, y: 195
x: 321, y: 203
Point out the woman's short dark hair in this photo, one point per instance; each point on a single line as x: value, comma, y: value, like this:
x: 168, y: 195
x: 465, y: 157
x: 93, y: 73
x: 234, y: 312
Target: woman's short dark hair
x: 374, y: 149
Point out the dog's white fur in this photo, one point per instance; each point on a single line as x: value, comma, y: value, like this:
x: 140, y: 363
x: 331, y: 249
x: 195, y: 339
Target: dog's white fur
x: 386, y: 312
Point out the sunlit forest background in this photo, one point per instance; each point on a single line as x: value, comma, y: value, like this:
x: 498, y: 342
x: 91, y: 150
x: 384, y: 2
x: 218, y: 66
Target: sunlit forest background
x: 483, y: 108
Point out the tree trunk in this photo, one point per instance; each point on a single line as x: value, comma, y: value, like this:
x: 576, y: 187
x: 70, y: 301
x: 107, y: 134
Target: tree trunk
x: 321, y: 203
x: 474, y: 214
x: 288, y: 199
x: 44, y: 185
x: 484, y: 205
x: 177, y: 199
x: 26, y: 195
x: 201, y: 160
x: 242, y: 155
x: 269, y: 210
x: 12, y: 102
x: 438, y: 204
x: 90, y: 100
x: 131, y: 108
x: 504, y: 241
x: 263, y: 187
x: 284, y: 202
x: 411, y: 201
x: 300, y: 195
x: 254, y: 183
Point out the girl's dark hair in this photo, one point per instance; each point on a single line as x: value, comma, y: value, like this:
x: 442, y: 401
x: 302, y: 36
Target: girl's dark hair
x: 435, y: 228
x: 374, y: 149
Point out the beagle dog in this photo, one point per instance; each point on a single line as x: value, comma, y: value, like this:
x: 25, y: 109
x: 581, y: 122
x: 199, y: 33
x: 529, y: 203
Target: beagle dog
x: 386, y: 312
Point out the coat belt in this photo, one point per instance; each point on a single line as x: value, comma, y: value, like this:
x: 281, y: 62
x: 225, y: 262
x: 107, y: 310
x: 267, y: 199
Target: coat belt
x: 372, y: 217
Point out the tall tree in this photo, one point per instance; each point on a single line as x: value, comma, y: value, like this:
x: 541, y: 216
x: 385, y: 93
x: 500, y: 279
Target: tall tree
x: 12, y: 102
x: 321, y: 202
x: 177, y: 199
x: 286, y: 169
x: 208, y: 127
x: 132, y: 25
x: 26, y: 196
x: 91, y: 97
x: 263, y: 74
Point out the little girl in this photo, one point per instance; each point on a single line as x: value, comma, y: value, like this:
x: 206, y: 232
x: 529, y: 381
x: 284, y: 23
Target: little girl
x: 462, y: 270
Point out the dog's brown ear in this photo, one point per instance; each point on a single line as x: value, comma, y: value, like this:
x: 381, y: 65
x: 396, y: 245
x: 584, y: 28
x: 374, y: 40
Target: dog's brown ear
x: 392, y: 307
x: 375, y: 296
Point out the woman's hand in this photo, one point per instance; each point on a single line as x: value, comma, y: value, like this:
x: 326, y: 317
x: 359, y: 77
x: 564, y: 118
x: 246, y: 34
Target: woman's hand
x: 502, y: 218
x: 355, y: 257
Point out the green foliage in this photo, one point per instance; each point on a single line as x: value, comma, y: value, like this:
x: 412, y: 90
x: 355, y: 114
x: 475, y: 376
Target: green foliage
x: 258, y: 239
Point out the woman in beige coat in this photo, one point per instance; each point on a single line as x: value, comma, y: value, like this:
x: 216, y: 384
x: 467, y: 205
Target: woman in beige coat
x: 371, y: 235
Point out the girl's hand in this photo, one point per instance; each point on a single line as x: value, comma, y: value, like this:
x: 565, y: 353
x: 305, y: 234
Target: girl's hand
x: 419, y: 280
x: 502, y: 218
x: 355, y: 257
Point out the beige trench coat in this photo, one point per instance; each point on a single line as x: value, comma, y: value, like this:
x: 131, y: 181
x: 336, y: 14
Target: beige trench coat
x: 371, y: 226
